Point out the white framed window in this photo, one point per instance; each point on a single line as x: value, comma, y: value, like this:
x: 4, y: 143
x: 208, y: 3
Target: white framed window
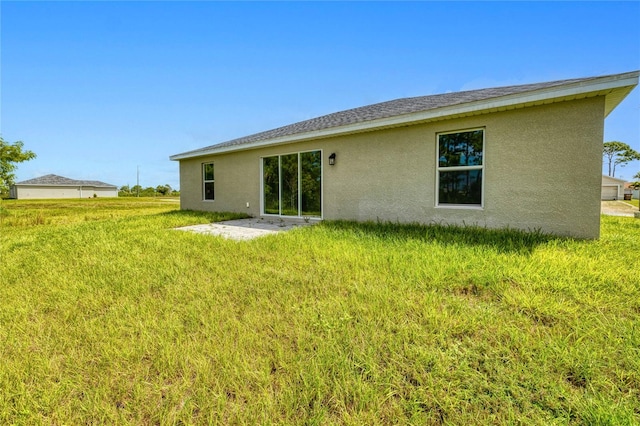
x: 460, y: 168
x: 208, y: 182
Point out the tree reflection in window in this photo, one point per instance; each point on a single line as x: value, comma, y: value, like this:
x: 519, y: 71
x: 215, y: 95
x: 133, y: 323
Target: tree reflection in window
x: 208, y: 181
x: 271, y: 185
x: 461, y: 149
x: 460, y: 167
x: 311, y: 183
x: 289, y: 182
x: 460, y: 187
x: 292, y: 184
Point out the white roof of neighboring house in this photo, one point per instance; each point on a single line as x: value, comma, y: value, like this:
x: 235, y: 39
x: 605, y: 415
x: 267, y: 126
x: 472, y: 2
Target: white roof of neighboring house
x: 612, y: 179
x: 55, y: 180
x: 423, y: 109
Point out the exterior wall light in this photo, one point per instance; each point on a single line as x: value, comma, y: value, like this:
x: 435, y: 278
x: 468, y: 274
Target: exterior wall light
x: 332, y: 159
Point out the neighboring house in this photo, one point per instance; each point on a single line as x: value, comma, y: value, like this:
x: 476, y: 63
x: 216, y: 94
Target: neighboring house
x: 53, y: 186
x: 612, y: 188
x: 449, y: 158
x: 630, y: 190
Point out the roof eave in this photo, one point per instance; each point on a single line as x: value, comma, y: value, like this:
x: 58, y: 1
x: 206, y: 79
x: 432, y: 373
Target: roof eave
x: 615, y: 178
x: 614, y: 88
x: 74, y: 185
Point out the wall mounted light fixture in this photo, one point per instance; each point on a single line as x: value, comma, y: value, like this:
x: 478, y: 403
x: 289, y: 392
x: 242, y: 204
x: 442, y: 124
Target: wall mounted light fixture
x: 332, y: 159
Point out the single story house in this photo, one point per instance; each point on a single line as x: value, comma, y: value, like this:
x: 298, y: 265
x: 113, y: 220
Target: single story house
x: 54, y: 186
x: 450, y: 158
x: 612, y: 188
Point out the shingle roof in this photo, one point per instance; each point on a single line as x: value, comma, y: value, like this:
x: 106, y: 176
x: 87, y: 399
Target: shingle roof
x: 55, y: 180
x: 395, y: 108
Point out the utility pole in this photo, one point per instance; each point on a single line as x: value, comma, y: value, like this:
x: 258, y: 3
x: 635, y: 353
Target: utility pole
x: 138, y: 181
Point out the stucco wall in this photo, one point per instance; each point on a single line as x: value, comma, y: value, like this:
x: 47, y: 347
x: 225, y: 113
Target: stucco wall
x: 542, y: 171
x: 25, y: 192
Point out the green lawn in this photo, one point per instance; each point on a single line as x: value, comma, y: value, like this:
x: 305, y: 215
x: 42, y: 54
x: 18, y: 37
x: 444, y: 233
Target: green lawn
x: 108, y: 316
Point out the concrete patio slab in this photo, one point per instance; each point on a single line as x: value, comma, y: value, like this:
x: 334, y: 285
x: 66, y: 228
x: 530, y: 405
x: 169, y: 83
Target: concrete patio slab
x: 617, y: 208
x: 247, y: 229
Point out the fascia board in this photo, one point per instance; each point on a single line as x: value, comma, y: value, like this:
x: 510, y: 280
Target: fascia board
x: 601, y: 86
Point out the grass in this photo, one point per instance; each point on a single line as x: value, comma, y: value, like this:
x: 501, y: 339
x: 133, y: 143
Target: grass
x: 633, y: 202
x: 109, y: 316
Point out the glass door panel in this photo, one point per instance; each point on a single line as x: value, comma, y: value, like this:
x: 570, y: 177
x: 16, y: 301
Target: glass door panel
x: 271, y: 185
x: 289, y: 182
x: 311, y: 183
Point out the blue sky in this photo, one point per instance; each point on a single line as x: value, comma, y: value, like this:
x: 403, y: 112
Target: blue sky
x: 97, y: 89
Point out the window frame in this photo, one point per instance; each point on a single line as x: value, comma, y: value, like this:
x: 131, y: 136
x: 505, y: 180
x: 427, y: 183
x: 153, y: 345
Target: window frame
x: 205, y: 181
x: 480, y: 167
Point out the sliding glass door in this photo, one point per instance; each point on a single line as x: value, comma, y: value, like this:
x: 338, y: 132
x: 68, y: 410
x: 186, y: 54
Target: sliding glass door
x: 292, y: 184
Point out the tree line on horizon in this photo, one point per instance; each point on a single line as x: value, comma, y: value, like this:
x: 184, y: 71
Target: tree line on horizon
x: 139, y: 191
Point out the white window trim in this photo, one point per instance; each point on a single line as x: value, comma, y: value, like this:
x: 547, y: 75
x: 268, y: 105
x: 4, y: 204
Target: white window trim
x: 299, y: 177
x: 204, y: 182
x: 458, y: 168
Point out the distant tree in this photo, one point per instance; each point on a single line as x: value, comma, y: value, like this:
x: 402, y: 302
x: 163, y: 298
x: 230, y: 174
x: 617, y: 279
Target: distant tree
x: 136, y: 190
x: 637, y: 176
x: 618, y: 153
x: 163, y: 190
x: 124, y: 191
x: 148, y: 192
x: 10, y: 154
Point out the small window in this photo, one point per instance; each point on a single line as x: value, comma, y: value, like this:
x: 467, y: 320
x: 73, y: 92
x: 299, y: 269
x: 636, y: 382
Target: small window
x: 208, y: 181
x: 460, y: 168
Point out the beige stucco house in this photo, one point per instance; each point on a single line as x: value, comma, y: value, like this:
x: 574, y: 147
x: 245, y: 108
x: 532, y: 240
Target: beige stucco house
x: 612, y: 188
x: 53, y: 186
x: 449, y: 158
